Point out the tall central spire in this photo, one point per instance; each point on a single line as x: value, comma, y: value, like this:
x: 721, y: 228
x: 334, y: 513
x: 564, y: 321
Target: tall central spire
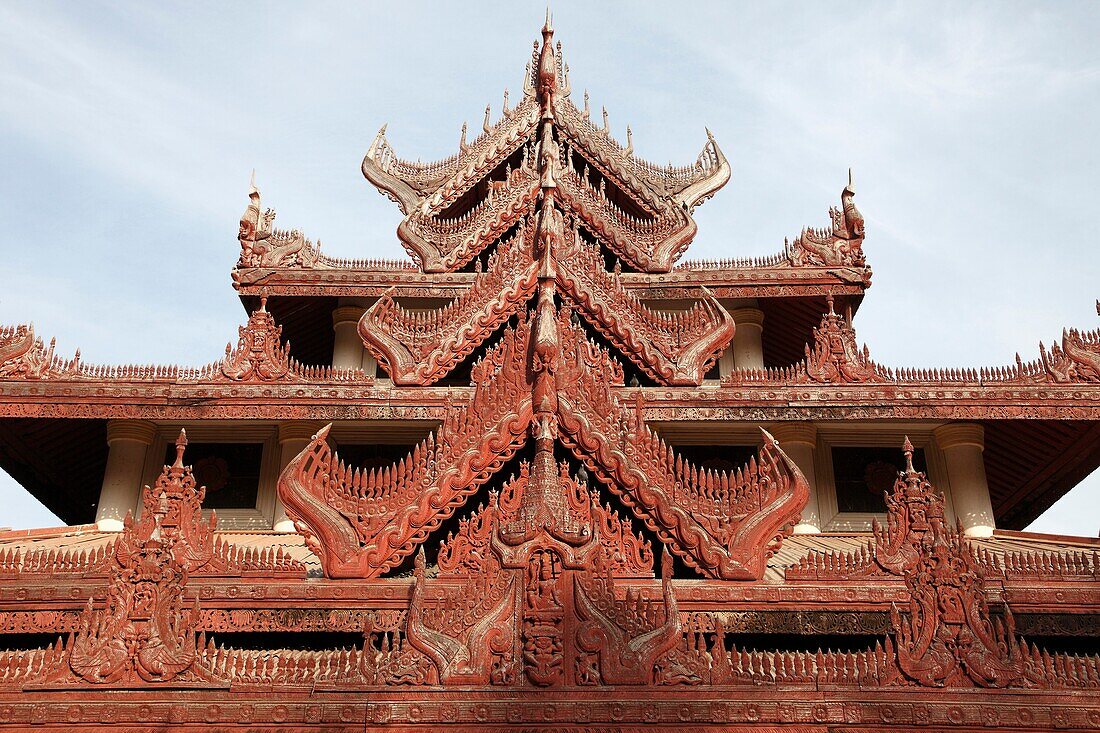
x: 548, y: 68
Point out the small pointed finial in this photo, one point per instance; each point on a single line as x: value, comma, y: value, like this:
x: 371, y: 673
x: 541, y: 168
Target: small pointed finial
x: 851, y: 187
x: 629, y: 141
x: 485, y: 124
x: 263, y: 302
x: 253, y: 192
x: 710, y: 135
x: 829, y: 302
x: 587, y: 106
x: 462, y: 138
x: 548, y: 26
x: 181, y: 445
x: 505, y: 107
x: 606, y: 124
x: 907, y: 449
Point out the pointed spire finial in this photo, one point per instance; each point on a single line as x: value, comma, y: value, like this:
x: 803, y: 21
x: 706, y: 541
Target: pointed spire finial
x: 181, y: 445
x: 907, y: 449
x: 253, y: 192
x: 829, y: 302
x: 548, y: 26
x: 851, y: 187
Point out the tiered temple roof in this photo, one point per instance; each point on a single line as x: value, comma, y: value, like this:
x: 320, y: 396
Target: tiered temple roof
x: 585, y: 484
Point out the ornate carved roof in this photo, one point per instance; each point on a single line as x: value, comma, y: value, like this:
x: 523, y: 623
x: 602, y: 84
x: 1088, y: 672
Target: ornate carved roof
x: 455, y: 208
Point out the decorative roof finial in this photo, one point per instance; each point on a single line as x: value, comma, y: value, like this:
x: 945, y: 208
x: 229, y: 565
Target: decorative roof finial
x: 629, y: 143
x: 606, y: 124
x: 253, y: 192
x: 548, y: 26
x: 829, y: 302
x: 485, y: 123
x: 548, y: 66
x: 907, y: 449
x: 851, y: 187
x: 462, y: 139
x: 504, y: 109
x: 587, y: 106
x: 181, y: 445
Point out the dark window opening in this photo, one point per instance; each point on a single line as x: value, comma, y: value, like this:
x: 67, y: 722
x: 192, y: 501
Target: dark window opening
x: 229, y: 471
x: 26, y: 642
x: 372, y: 455
x: 864, y: 475
x: 717, y: 457
x: 296, y: 640
x: 803, y: 642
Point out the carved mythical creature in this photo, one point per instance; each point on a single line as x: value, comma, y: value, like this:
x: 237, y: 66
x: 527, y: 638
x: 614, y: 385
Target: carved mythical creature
x: 22, y: 355
x: 264, y: 246
x: 841, y: 245
x: 1076, y: 360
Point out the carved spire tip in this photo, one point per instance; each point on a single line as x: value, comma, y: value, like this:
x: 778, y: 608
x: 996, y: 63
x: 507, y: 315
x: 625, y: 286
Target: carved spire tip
x: 829, y: 302
x: 181, y: 446
x: 253, y: 192
x: 907, y: 448
x: 851, y: 187
x: 548, y: 25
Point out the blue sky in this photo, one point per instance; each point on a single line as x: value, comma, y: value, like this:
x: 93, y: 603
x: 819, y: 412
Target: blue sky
x: 128, y: 131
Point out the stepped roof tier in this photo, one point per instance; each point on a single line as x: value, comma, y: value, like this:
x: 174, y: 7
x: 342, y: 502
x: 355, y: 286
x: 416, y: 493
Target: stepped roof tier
x: 545, y: 475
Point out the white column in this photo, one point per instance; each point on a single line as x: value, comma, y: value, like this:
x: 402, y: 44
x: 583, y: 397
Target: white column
x: 293, y: 438
x: 962, y: 445
x: 128, y: 444
x: 348, y: 351
x: 798, y: 440
x: 748, y: 348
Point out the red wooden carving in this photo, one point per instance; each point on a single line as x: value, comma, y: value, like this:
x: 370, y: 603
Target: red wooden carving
x: 146, y: 630
x: 544, y: 605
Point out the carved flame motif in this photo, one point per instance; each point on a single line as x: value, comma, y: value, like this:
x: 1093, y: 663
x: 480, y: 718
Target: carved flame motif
x: 146, y: 630
x: 948, y: 638
x: 260, y: 355
x: 836, y: 357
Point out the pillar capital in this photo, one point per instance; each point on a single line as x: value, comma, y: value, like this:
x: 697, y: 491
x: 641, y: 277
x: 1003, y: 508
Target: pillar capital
x: 955, y: 434
x: 803, y: 433
x: 347, y: 314
x: 133, y: 431
x: 303, y: 430
x: 748, y: 317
